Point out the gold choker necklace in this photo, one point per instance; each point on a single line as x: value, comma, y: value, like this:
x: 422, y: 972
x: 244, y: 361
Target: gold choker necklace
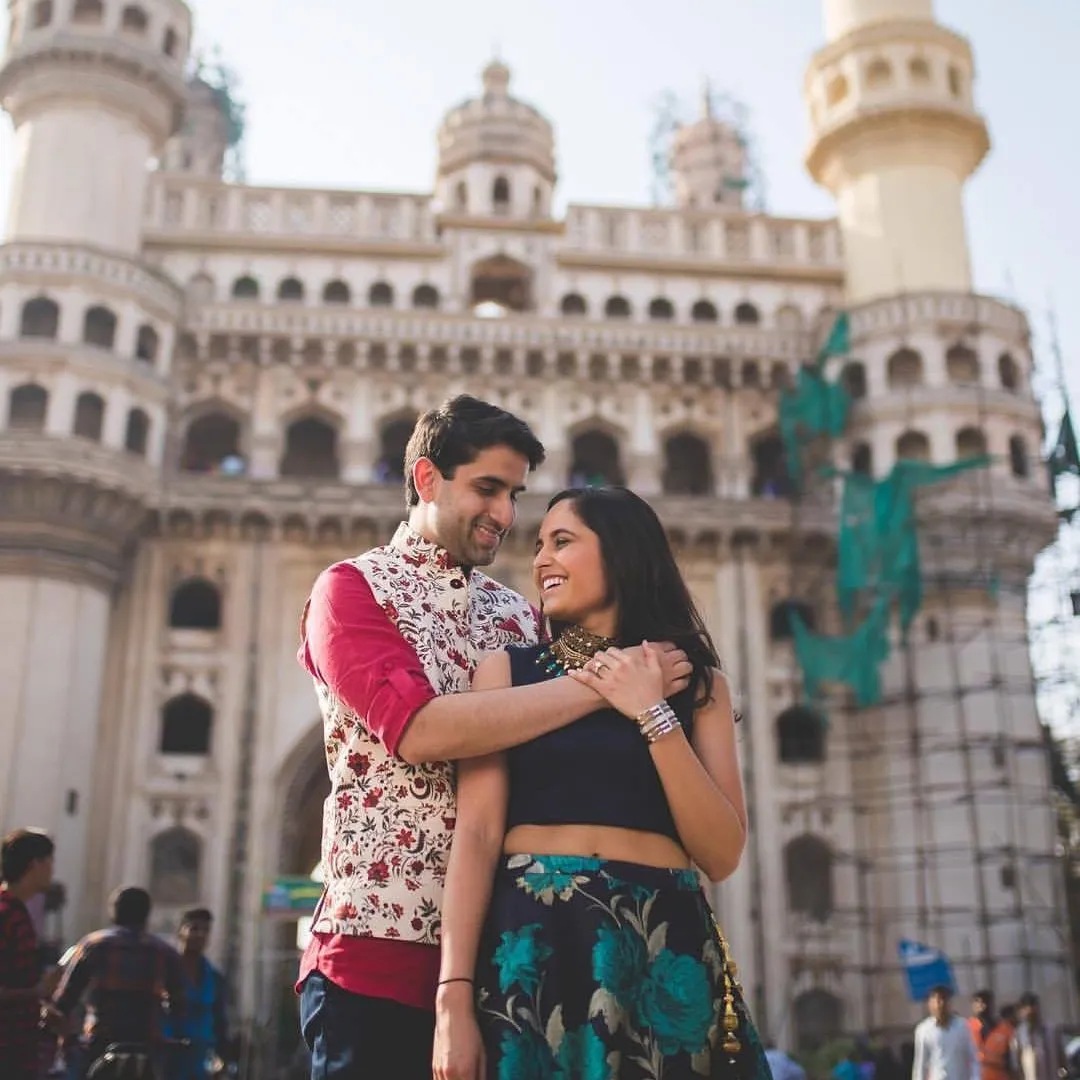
x: 572, y: 650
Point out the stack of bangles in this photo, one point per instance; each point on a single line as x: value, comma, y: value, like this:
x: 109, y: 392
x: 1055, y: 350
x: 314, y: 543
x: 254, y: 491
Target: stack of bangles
x: 656, y: 722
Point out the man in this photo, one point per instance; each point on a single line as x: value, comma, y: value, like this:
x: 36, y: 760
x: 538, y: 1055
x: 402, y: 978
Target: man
x: 26, y: 859
x: 124, y: 975
x: 943, y: 1046
x: 391, y: 640
x: 1036, y: 1047
x: 202, y: 1027
x: 992, y: 1037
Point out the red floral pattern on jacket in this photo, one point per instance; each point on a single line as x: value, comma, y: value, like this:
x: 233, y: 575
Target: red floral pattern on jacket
x: 387, y: 825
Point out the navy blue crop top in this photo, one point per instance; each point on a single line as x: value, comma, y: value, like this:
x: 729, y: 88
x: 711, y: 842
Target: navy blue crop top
x: 595, y: 771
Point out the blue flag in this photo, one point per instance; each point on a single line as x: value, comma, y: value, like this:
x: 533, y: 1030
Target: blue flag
x: 924, y: 967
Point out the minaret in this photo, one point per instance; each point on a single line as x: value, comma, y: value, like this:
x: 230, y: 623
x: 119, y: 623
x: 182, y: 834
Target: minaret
x: 94, y: 88
x: 895, y: 136
x: 708, y: 162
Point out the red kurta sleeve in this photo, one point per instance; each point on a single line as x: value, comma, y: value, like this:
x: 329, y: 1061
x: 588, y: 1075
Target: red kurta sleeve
x: 349, y: 643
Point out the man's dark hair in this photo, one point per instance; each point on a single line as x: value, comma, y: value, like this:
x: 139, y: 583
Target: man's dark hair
x: 1028, y: 998
x: 643, y: 578
x: 986, y: 996
x: 130, y: 907
x: 196, y: 914
x: 455, y: 432
x: 21, y: 849
x: 940, y: 991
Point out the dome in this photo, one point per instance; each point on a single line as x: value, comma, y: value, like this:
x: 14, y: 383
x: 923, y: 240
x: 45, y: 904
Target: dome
x: 496, y: 127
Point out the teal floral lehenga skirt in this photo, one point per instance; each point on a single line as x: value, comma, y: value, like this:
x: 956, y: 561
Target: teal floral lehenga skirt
x: 592, y: 969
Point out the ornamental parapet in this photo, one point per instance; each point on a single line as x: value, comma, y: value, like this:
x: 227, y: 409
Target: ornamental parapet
x: 940, y: 312
x: 48, y: 264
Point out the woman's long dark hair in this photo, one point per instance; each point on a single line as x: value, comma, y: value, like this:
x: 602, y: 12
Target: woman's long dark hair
x: 643, y: 579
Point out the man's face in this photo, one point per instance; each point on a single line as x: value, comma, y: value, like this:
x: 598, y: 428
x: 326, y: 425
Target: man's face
x: 471, y: 512
x: 938, y: 1007
x: 194, y: 936
x: 42, y: 869
x: 980, y: 1007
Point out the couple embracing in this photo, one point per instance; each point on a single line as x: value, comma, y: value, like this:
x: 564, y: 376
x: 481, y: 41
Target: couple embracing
x: 517, y: 810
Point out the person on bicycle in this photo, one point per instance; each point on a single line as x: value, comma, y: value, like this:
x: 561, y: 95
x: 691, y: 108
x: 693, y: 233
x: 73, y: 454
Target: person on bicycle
x: 126, y: 978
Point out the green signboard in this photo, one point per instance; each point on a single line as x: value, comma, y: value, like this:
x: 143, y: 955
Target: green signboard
x: 292, y: 896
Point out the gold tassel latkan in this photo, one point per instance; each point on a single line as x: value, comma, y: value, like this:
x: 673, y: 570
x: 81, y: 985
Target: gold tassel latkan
x: 731, y: 1044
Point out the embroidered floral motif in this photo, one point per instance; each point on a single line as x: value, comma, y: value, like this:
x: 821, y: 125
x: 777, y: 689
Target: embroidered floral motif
x: 387, y: 825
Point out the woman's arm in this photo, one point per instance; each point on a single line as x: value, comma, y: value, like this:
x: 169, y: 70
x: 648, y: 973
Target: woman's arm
x: 702, y: 780
x: 703, y: 785
x: 482, y: 792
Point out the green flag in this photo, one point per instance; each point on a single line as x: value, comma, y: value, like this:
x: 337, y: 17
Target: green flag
x: 814, y: 407
x: 1065, y: 457
x: 838, y: 343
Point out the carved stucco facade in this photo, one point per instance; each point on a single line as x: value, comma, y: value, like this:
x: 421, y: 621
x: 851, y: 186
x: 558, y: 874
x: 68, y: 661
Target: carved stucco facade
x: 235, y: 423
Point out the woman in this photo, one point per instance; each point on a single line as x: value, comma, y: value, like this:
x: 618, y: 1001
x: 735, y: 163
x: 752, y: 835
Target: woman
x: 576, y: 940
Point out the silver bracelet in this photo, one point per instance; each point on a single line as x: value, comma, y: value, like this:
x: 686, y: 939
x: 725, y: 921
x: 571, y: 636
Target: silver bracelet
x: 657, y: 721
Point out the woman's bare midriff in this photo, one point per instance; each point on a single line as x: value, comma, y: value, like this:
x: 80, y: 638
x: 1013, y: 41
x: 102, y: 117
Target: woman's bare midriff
x: 597, y: 841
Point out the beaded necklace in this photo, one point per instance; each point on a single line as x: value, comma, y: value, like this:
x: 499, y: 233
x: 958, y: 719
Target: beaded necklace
x: 572, y: 650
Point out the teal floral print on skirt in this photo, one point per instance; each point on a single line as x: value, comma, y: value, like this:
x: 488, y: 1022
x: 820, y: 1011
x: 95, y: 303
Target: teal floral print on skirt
x: 598, y: 970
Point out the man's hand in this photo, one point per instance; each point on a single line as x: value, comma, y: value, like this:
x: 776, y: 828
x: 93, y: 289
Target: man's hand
x: 674, y: 665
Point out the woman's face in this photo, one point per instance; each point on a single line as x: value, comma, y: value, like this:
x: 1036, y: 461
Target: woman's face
x: 568, y: 572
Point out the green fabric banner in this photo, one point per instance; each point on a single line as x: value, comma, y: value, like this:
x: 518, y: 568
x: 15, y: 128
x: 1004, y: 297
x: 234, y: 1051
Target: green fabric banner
x: 815, y: 407
x: 1065, y: 456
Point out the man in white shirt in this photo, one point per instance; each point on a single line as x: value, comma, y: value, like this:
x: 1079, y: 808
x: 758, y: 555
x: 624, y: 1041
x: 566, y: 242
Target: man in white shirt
x: 944, y: 1049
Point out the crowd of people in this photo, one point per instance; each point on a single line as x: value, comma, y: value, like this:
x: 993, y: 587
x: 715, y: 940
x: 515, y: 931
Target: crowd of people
x: 121, y: 1002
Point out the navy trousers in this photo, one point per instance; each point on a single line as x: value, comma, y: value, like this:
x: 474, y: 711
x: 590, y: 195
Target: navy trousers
x: 352, y: 1037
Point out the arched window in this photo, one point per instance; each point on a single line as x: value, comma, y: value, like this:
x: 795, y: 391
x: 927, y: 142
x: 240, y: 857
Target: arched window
x: 962, y: 365
x: 146, y: 344
x: 310, y: 450
x: 461, y: 197
x: 862, y: 459
x: 88, y: 11
x: 853, y: 379
x: 970, y: 442
x: 200, y: 289
x: 195, y: 605
x: 800, y: 736
x: 500, y: 195
x: 175, y: 862
x: 503, y: 281
x: 186, y: 721
x: 808, y: 870
x: 40, y: 318
x: 903, y: 369
x: 169, y: 42
x: 99, y: 327
x: 1018, y: 457
x: 789, y: 317
x: 818, y: 1019
x: 381, y: 294
x: 770, y: 478
x: 687, y: 465
x: 617, y: 307
x: 291, y: 290
x: 836, y: 90
x: 661, y: 309
x: 956, y: 81
x: 41, y: 15
x: 595, y: 460
x: 393, y: 439
x: 704, y: 311
x: 913, y: 446
x: 137, y: 432
x: 1008, y: 372
x: 211, y: 444
x: 425, y: 296
x: 750, y: 374
x: 134, y: 19
x: 27, y: 406
x: 919, y: 71
x: 746, y: 314
x: 336, y: 292
x: 878, y: 74
x: 780, y: 376
x: 245, y: 288
x: 89, y: 416
x: 573, y: 304
x: 780, y: 618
